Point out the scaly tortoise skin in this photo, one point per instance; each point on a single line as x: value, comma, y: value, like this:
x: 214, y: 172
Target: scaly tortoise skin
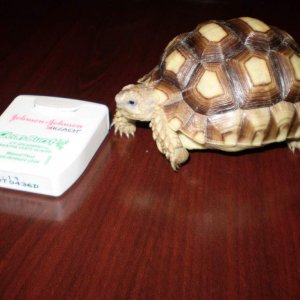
x: 228, y: 85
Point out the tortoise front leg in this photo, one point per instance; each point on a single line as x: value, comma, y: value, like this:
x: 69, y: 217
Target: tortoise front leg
x: 167, y: 140
x: 123, y: 124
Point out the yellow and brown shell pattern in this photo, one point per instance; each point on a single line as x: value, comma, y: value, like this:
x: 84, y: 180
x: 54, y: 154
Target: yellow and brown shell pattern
x: 231, y: 83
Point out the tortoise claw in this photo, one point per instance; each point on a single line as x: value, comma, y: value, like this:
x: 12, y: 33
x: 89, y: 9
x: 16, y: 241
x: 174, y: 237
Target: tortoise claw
x: 178, y: 157
x: 128, y: 129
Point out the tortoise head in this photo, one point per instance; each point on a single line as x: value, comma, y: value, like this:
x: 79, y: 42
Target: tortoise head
x: 137, y: 102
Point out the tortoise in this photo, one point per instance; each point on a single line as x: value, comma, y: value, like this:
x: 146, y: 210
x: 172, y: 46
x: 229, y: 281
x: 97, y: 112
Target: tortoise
x: 228, y: 85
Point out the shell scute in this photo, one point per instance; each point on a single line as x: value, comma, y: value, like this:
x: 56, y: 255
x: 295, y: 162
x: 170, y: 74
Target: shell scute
x: 214, y: 42
x: 256, y: 126
x: 288, y: 68
x: 209, y: 90
x: 256, y: 83
x: 294, y: 131
x: 178, y: 66
x: 226, y: 127
x: 255, y: 34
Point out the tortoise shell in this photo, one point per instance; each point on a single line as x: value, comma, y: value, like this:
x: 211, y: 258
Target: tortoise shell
x: 231, y: 84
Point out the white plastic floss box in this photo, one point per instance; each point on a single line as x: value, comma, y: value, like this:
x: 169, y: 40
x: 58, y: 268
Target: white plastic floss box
x: 47, y: 142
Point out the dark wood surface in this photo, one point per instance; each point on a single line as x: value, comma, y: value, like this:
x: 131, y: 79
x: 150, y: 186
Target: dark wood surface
x: 226, y: 226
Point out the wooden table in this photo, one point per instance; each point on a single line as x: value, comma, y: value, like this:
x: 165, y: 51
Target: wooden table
x: 226, y: 226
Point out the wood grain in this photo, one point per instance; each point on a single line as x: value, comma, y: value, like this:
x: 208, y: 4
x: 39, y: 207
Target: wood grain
x: 226, y: 226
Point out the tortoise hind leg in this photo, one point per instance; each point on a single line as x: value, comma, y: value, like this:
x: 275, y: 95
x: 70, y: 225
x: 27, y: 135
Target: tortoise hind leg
x: 293, y: 145
x: 167, y: 140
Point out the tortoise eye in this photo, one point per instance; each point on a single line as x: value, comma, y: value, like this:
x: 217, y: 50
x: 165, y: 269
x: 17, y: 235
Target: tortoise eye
x: 131, y: 102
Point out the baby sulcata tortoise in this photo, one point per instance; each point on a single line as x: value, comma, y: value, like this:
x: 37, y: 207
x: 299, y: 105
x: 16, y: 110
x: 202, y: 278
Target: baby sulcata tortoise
x: 228, y: 85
